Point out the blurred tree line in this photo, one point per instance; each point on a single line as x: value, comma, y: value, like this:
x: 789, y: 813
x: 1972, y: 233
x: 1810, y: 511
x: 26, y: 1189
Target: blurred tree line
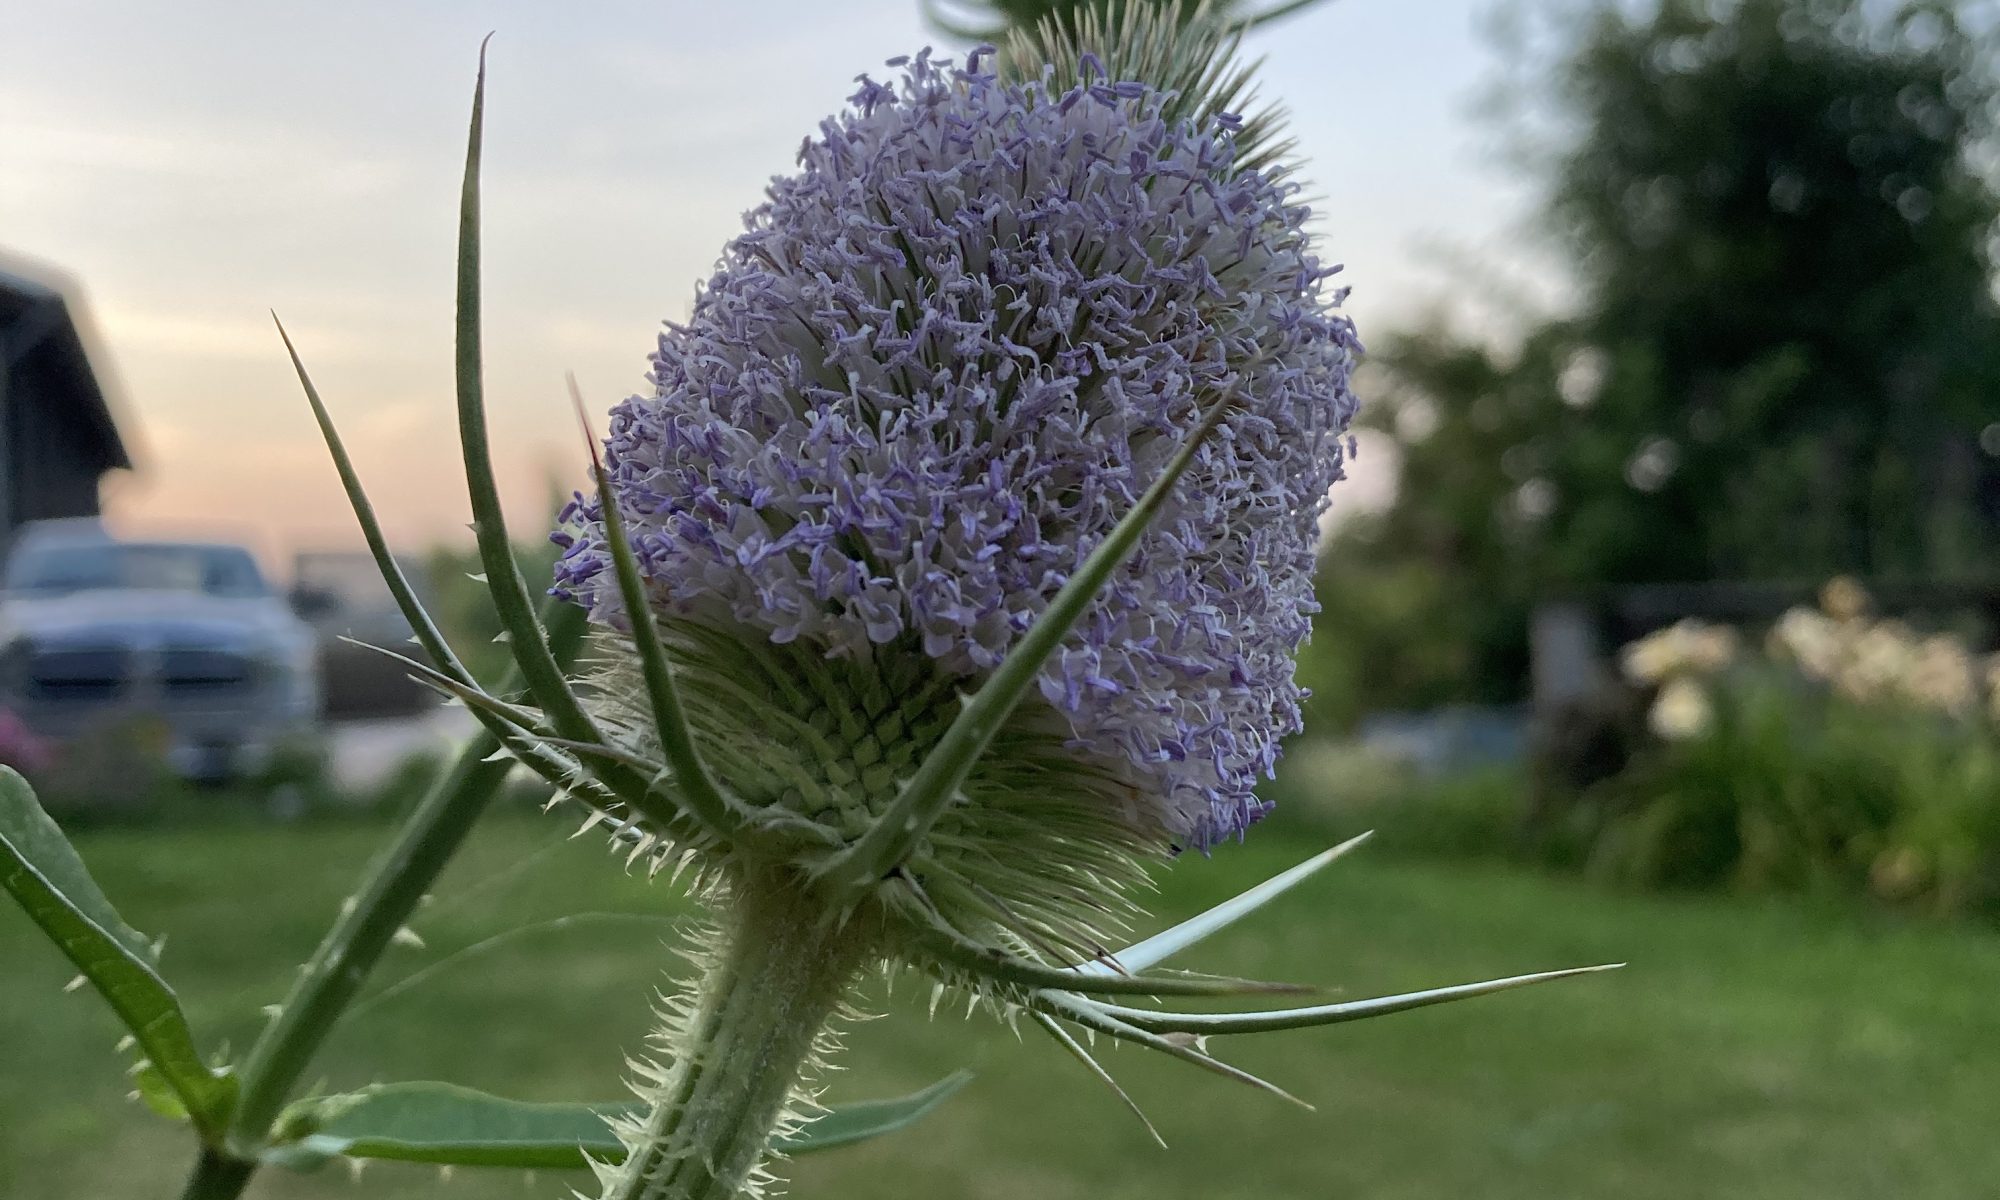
x: 1783, y: 361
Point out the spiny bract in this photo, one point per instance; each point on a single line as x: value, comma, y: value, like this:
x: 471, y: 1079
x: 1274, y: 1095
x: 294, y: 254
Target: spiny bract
x: 941, y: 363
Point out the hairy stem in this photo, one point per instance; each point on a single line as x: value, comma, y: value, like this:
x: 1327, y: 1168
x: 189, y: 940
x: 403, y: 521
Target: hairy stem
x: 737, y: 1058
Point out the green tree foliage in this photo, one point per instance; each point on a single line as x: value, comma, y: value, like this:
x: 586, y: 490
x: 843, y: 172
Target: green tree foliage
x: 1780, y: 218
x: 1778, y: 209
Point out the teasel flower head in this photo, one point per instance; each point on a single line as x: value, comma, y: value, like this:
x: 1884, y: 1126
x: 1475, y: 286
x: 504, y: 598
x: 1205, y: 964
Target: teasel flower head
x: 952, y: 572
x: 939, y: 366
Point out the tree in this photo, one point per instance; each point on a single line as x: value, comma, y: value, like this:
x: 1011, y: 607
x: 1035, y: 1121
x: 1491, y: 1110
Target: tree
x: 1776, y: 207
x: 1786, y: 348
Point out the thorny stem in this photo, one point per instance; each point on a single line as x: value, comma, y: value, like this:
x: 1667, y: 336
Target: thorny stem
x: 775, y: 983
x: 367, y: 925
x: 396, y: 884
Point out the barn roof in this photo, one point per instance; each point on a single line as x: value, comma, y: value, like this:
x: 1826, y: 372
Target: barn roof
x: 36, y: 322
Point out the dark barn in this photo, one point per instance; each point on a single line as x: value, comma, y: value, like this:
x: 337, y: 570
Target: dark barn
x: 57, y: 438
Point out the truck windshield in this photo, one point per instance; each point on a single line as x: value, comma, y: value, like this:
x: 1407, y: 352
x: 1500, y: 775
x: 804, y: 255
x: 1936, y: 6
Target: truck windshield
x: 210, y: 570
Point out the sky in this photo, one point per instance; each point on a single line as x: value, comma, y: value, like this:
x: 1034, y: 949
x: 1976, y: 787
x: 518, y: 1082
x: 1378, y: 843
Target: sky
x: 191, y: 167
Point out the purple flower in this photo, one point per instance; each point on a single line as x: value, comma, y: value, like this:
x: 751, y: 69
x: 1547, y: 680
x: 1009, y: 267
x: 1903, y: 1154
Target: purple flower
x: 943, y: 360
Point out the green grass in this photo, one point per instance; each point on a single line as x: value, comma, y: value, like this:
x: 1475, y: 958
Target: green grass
x: 1753, y: 1049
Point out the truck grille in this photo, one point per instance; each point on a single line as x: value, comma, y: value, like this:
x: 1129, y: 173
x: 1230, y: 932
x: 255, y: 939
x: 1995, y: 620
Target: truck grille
x: 102, y: 676
x: 78, y: 676
x: 204, y: 673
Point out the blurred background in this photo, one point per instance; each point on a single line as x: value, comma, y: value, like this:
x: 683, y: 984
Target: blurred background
x: 1661, y: 611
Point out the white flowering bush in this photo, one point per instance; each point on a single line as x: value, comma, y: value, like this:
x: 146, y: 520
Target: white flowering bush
x: 1846, y: 752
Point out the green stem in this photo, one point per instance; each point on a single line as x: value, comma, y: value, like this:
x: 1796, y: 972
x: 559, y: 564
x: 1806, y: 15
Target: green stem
x: 217, y: 1177
x: 397, y: 882
x: 776, y: 982
x: 366, y: 926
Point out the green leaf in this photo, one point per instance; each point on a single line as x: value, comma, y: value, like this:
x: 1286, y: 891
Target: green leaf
x: 860, y: 1121
x: 41, y: 870
x: 446, y: 1124
x: 156, y: 1093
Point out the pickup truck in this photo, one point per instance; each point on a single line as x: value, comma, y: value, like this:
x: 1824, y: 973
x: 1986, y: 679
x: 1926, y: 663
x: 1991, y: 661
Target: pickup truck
x: 187, y: 638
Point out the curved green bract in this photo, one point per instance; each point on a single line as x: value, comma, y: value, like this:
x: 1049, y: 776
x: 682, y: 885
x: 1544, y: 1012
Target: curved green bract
x: 993, y: 965
x: 704, y: 803
x: 448, y: 1125
x: 1161, y: 946
x: 890, y: 840
x: 1204, y: 1024
x: 41, y: 870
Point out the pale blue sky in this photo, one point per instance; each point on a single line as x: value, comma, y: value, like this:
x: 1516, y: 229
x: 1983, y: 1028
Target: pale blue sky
x: 194, y: 164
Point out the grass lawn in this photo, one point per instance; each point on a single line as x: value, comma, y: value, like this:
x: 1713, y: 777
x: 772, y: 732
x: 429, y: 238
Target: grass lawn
x: 1753, y: 1049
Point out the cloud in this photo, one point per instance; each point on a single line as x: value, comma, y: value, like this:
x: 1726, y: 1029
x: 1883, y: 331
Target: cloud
x: 151, y: 333
x: 192, y: 164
